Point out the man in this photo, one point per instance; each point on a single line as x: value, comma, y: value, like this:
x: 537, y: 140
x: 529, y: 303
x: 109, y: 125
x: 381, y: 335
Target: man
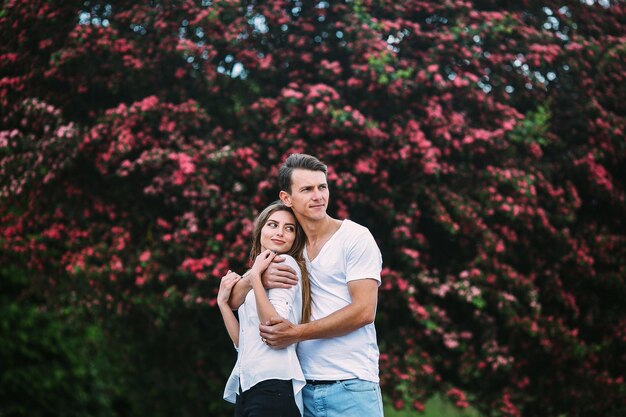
x: 337, y: 349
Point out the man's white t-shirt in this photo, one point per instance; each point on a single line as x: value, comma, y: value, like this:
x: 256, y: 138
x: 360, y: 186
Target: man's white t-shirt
x: 350, y: 254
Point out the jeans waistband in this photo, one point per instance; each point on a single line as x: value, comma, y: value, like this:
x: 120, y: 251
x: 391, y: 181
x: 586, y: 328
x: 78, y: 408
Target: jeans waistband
x: 271, y: 384
x: 325, y: 382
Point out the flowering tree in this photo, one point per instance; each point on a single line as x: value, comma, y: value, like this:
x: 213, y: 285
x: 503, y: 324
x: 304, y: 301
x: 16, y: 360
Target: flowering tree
x: 480, y: 142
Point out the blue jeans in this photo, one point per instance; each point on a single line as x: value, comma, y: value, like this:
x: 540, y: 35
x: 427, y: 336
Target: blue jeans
x: 350, y: 398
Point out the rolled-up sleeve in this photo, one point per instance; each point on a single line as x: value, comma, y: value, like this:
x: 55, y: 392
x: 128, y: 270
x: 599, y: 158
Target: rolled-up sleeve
x: 283, y: 298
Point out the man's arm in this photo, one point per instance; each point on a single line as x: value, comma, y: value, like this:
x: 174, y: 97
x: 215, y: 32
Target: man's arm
x: 277, y: 275
x: 239, y: 292
x: 280, y: 333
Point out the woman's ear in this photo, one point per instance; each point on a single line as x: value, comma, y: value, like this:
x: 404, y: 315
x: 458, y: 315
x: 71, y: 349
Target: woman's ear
x: 285, y: 198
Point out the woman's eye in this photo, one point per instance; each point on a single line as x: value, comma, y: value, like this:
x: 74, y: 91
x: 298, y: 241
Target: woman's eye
x: 290, y: 229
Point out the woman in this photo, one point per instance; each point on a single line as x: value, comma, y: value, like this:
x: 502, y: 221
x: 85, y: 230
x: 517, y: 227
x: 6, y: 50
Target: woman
x: 267, y: 382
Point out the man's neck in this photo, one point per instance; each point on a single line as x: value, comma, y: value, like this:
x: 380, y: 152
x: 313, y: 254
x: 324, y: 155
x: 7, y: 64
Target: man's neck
x: 319, y: 230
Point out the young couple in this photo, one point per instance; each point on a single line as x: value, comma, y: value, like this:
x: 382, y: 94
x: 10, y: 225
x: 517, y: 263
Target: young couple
x: 307, y: 345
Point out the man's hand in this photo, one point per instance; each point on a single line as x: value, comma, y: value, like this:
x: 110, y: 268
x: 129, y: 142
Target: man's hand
x: 279, y: 333
x: 279, y: 275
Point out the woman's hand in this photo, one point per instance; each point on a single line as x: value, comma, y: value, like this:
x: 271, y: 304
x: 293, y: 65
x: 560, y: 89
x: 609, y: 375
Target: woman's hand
x: 226, y: 286
x: 262, y: 262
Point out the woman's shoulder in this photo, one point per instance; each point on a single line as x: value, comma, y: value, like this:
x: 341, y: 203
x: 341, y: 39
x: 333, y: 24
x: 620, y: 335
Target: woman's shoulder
x: 289, y: 260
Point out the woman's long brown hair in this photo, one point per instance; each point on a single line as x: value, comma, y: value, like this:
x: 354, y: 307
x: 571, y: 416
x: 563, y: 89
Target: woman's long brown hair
x: 296, y: 252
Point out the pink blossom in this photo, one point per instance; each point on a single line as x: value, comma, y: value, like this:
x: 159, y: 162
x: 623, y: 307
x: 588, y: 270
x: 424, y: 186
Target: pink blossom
x: 145, y: 256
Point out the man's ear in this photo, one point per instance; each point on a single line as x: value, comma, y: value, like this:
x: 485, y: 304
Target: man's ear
x: 285, y: 198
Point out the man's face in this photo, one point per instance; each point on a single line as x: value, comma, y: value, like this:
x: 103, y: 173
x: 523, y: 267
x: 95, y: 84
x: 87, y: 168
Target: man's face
x: 309, y: 194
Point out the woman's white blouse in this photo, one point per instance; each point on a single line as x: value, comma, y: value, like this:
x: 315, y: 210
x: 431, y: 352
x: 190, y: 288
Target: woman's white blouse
x: 258, y: 362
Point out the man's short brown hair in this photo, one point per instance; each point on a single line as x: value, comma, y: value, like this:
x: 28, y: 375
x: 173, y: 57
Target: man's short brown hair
x: 298, y: 161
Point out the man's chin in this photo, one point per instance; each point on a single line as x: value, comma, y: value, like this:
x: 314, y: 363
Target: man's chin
x: 321, y: 215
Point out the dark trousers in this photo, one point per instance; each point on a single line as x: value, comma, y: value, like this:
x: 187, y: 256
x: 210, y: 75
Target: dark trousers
x: 271, y: 398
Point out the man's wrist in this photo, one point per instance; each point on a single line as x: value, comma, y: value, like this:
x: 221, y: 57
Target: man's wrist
x: 300, y: 332
x: 246, y: 278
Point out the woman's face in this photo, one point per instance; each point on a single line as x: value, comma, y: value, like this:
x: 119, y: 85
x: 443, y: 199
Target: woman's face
x: 278, y: 232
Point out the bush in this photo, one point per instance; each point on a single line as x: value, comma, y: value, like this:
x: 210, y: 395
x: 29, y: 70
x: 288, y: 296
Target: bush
x: 481, y: 142
x: 53, y: 362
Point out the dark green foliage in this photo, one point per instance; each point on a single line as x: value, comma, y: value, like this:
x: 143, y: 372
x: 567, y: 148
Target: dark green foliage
x: 53, y: 363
